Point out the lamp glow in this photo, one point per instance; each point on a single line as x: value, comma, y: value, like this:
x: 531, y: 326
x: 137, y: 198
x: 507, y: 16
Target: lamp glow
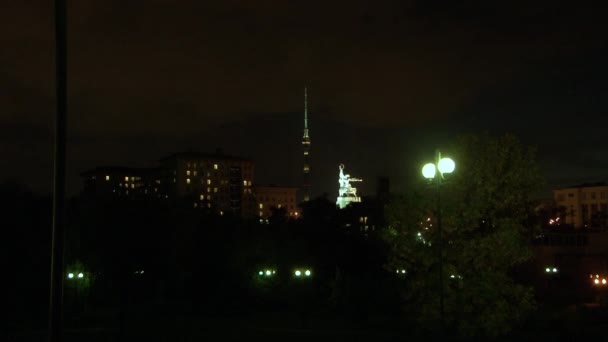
x: 603, y: 281
x: 547, y: 270
x: 261, y: 273
x: 268, y: 272
x: 554, y: 270
x: 596, y: 281
x: 298, y: 273
x: 428, y: 171
x: 446, y: 165
x: 80, y: 275
x: 307, y: 273
x: 70, y: 275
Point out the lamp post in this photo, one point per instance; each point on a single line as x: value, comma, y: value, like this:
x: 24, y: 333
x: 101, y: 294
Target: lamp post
x: 429, y: 171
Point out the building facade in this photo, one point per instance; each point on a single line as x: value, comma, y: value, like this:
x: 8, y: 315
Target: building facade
x: 125, y: 182
x: 584, y: 205
x: 218, y: 182
x: 268, y: 198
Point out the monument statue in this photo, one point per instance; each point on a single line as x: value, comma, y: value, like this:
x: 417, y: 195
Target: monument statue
x: 346, y: 193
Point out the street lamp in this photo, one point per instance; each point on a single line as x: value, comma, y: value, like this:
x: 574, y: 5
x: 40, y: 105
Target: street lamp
x: 429, y: 171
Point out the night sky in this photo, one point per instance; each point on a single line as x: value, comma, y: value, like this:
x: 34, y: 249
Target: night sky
x: 388, y: 82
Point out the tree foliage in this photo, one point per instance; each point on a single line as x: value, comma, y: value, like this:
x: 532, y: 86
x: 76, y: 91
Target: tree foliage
x: 485, y: 209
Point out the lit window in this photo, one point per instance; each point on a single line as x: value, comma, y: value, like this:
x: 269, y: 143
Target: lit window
x: 260, y: 213
x: 132, y: 186
x: 120, y: 185
x: 261, y: 205
x: 174, y: 180
x: 208, y: 181
x: 279, y: 206
x: 187, y: 172
x: 155, y: 189
x: 208, y: 189
x: 187, y: 180
x: 245, y: 183
x: 126, y: 179
x: 188, y: 164
x: 195, y: 172
x: 202, y: 197
x: 214, y: 189
x: 195, y: 204
x: 107, y: 177
x: 132, y: 179
x: 215, y: 166
x: 249, y: 183
x: 221, y: 213
x: 208, y: 197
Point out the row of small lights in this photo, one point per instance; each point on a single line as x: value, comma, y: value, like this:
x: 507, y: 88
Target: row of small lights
x: 596, y: 281
x: 297, y: 273
x: 551, y: 270
x: 71, y: 275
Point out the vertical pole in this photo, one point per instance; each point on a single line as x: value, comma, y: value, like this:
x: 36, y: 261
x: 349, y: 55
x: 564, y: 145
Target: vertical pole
x: 57, y: 240
x: 438, y: 177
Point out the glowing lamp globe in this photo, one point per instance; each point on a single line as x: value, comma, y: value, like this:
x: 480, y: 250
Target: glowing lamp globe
x: 428, y: 171
x: 446, y: 165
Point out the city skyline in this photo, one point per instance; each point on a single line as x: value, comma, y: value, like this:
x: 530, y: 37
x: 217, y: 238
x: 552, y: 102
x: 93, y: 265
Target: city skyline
x: 388, y: 83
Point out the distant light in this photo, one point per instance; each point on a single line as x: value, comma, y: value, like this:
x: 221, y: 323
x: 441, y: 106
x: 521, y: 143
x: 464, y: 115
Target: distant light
x: 307, y: 273
x: 452, y: 276
x: 428, y: 171
x: 446, y: 165
x: 273, y: 272
x: 402, y: 271
x: 298, y: 273
x: 554, y: 270
x: 268, y: 272
x: 141, y: 272
x: 70, y: 275
x: 261, y: 273
x: 80, y: 275
x: 604, y: 281
x: 597, y: 275
x: 547, y: 270
x: 596, y: 281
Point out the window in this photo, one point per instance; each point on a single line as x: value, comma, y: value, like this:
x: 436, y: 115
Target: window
x: 208, y: 189
x: 187, y: 172
x: 187, y: 180
x: 261, y: 206
x: 126, y: 179
x: 132, y: 179
x: 107, y: 177
x: 214, y: 189
x: 195, y: 172
x: 202, y: 197
x: 208, y: 181
x: 208, y: 197
x: 249, y: 183
x: 245, y: 183
x: 188, y: 164
x: 215, y: 166
x: 132, y: 186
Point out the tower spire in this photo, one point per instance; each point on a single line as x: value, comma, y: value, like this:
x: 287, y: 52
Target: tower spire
x: 306, y: 148
x: 305, y: 113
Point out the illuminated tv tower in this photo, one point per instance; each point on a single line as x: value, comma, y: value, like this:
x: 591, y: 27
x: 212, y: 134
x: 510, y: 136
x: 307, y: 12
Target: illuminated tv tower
x: 306, y: 148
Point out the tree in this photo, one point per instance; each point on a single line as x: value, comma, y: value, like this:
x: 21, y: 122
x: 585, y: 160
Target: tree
x: 486, y: 209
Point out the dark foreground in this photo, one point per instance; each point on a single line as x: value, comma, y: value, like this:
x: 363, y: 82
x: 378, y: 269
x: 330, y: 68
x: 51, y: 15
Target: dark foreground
x: 146, y: 324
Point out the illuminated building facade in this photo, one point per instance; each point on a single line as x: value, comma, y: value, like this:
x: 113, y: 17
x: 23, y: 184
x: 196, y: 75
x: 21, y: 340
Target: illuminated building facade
x: 584, y: 205
x: 272, y: 197
x: 125, y: 182
x: 306, y: 185
x: 218, y: 182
